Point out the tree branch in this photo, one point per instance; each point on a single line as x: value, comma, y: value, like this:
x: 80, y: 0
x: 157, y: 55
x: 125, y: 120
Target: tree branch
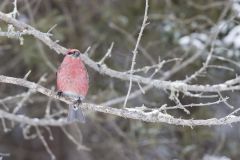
x: 103, y: 69
x: 133, y: 113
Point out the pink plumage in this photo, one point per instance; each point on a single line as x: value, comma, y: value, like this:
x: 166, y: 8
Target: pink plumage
x: 72, y: 80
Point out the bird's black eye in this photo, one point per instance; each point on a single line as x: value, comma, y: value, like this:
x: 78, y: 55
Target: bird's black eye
x: 70, y: 53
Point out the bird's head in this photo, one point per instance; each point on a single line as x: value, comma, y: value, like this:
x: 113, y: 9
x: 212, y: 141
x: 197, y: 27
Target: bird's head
x: 74, y: 53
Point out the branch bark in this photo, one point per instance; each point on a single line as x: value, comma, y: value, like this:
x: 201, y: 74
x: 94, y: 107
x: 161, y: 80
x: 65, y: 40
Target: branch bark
x: 131, y: 113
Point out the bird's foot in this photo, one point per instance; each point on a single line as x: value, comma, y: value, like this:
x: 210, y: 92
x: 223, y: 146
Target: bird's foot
x: 99, y: 65
x: 77, y: 102
x: 59, y: 93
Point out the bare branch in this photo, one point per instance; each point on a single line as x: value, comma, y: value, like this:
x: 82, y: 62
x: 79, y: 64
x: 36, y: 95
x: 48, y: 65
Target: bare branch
x: 40, y: 136
x: 108, y: 54
x: 132, y: 113
x: 135, y: 51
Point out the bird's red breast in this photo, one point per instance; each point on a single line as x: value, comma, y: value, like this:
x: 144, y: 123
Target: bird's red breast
x: 72, y: 77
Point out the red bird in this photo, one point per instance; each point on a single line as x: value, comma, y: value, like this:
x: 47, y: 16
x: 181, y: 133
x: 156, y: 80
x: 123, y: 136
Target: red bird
x: 72, y: 81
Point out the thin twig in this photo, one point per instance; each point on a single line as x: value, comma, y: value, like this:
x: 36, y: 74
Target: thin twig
x: 40, y: 136
x: 108, y: 54
x: 71, y: 138
x: 135, y: 51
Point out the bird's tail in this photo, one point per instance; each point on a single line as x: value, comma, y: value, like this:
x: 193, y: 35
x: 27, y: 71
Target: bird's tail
x: 75, y: 114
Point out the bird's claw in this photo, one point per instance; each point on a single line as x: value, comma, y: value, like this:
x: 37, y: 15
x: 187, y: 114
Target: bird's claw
x: 59, y: 93
x: 99, y: 65
x: 78, y: 101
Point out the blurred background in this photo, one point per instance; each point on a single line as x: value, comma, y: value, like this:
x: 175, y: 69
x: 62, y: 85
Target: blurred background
x: 178, y: 30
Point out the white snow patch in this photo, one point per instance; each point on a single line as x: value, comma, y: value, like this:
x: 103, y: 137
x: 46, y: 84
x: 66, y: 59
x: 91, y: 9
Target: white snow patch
x: 196, y: 40
x: 233, y: 37
x: 213, y: 157
x: 236, y: 7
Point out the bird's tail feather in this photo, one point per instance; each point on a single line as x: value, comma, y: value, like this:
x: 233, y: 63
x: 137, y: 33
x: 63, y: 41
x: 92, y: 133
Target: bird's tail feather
x: 75, y: 114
